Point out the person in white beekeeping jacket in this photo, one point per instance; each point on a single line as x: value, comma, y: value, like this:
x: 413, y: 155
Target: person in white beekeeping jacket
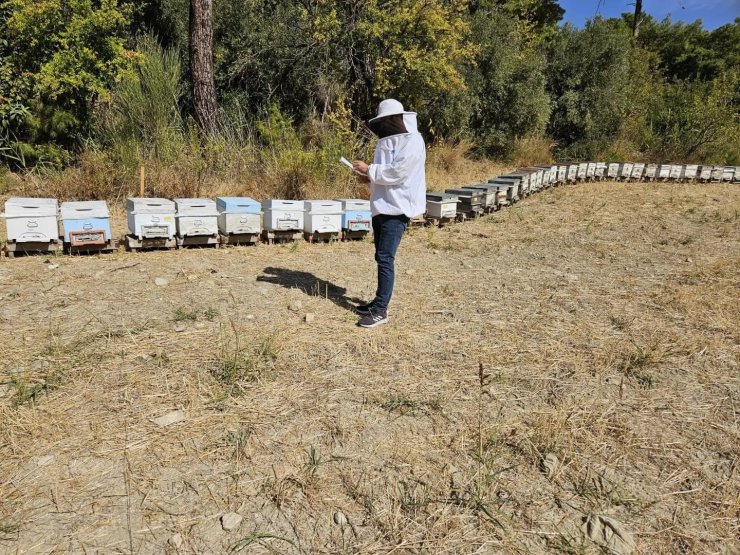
x: 397, y: 193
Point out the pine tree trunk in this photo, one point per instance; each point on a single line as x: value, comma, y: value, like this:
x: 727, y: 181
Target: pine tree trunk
x: 201, y: 65
x: 638, y: 18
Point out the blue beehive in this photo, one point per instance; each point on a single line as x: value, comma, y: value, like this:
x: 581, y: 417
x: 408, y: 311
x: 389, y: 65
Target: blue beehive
x: 85, y: 223
x: 356, y: 214
x: 239, y: 215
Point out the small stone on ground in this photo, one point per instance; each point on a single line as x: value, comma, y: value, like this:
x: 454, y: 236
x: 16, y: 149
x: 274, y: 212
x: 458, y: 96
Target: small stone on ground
x: 231, y: 521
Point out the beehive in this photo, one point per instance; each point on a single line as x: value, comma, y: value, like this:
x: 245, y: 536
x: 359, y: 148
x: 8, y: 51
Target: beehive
x: 239, y: 216
x: 728, y: 174
x: 625, y: 171
x: 470, y: 201
x: 591, y: 170
x: 572, y: 172
x: 717, y: 173
x: 283, y: 215
x: 612, y: 171
x: 322, y: 216
x: 562, y: 173
x: 490, y: 194
x: 31, y: 220
x: 651, y: 171
x: 664, y: 171
x: 691, y: 172
x: 512, y: 187
x: 676, y: 172
x: 196, y: 217
x: 356, y: 215
x: 600, y: 171
x: 84, y: 223
x: 705, y: 173
x: 582, y: 171
x: 637, y: 171
x: 151, y: 218
x: 441, y: 205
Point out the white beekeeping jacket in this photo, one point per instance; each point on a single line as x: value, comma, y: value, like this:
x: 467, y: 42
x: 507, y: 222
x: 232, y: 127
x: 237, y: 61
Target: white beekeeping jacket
x: 397, y: 174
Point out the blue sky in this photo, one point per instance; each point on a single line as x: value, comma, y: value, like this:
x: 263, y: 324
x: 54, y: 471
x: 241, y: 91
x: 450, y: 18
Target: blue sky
x: 714, y: 13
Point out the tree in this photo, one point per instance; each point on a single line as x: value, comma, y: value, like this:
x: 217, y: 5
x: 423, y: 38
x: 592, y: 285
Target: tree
x: 56, y: 60
x: 201, y: 66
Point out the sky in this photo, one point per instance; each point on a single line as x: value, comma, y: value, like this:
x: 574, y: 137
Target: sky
x: 713, y: 13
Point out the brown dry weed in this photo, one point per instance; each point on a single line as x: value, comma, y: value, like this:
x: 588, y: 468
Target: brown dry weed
x: 605, y: 317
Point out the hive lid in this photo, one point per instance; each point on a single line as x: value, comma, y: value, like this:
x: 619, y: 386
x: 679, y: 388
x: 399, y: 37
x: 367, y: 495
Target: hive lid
x: 322, y: 206
x: 238, y: 205
x: 279, y: 204
x: 465, y: 193
x: 83, y: 210
x: 143, y: 205
x: 442, y: 197
x: 24, y: 206
x: 354, y: 203
x: 195, y: 207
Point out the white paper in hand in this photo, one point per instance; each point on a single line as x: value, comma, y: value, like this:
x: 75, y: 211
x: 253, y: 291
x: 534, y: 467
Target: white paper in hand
x: 347, y: 163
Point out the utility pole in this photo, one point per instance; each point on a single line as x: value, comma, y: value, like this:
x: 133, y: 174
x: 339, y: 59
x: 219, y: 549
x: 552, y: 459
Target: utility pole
x: 638, y: 18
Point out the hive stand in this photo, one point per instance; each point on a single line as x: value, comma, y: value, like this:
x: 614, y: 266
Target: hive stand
x: 134, y: 244
x: 327, y: 237
x: 239, y: 238
x: 12, y: 247
x: 440, y: 222
x: 419, y: 221
x: 198, y: 241
x: 93, y: 248
x: 354, y: 235
x: 272, y: 237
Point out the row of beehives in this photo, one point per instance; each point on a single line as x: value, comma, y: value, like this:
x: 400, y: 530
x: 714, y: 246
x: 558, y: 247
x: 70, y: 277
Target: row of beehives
x: 472, y: 200
x: 39, y: 225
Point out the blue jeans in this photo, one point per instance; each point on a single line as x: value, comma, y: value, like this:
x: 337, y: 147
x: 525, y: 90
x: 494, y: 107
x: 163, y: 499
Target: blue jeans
x: 387, y: 233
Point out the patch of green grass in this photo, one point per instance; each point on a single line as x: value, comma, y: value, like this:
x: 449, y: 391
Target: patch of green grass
x: 28, y: 393
x: 211, y: 314
x: 237, y: 364
x: 238, y: 438
x: 183, y: 314
x: 406, y: 406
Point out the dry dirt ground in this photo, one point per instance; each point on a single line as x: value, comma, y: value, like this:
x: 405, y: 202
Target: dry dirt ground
x: 605, y: 318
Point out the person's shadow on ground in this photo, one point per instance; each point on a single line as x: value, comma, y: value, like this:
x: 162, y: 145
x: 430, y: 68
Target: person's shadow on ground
x: 310, y: 285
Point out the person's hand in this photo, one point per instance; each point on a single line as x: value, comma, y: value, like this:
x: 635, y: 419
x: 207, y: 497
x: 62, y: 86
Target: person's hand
x: 360, y: 167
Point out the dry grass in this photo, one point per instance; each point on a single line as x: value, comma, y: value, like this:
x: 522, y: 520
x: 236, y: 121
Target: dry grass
x: 607, y: 339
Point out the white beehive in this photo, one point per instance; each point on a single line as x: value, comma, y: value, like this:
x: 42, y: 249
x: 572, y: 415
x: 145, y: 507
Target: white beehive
x: 625, y: 171
x: 651, y: 171
x: 705, y: 173
x: 441, y: 205
x: 717, y: 172
x: 322, y: 216
x: 664, y: 172
x: 283, y: 215
x: 728, y: 173
x: 637, y: 171
x: 31, y: 220
x: 151, y: 218
x: 582, y: 170
x: 196, y: 217
x: 600, y: 171
x: 676, y: 172
x: 736, y: 178
x: 612, y: 171
x: 562, y: 173
x: 591, y: 170
x: 572, y: 172
x: 239, y: 216
x: 691, y: 172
